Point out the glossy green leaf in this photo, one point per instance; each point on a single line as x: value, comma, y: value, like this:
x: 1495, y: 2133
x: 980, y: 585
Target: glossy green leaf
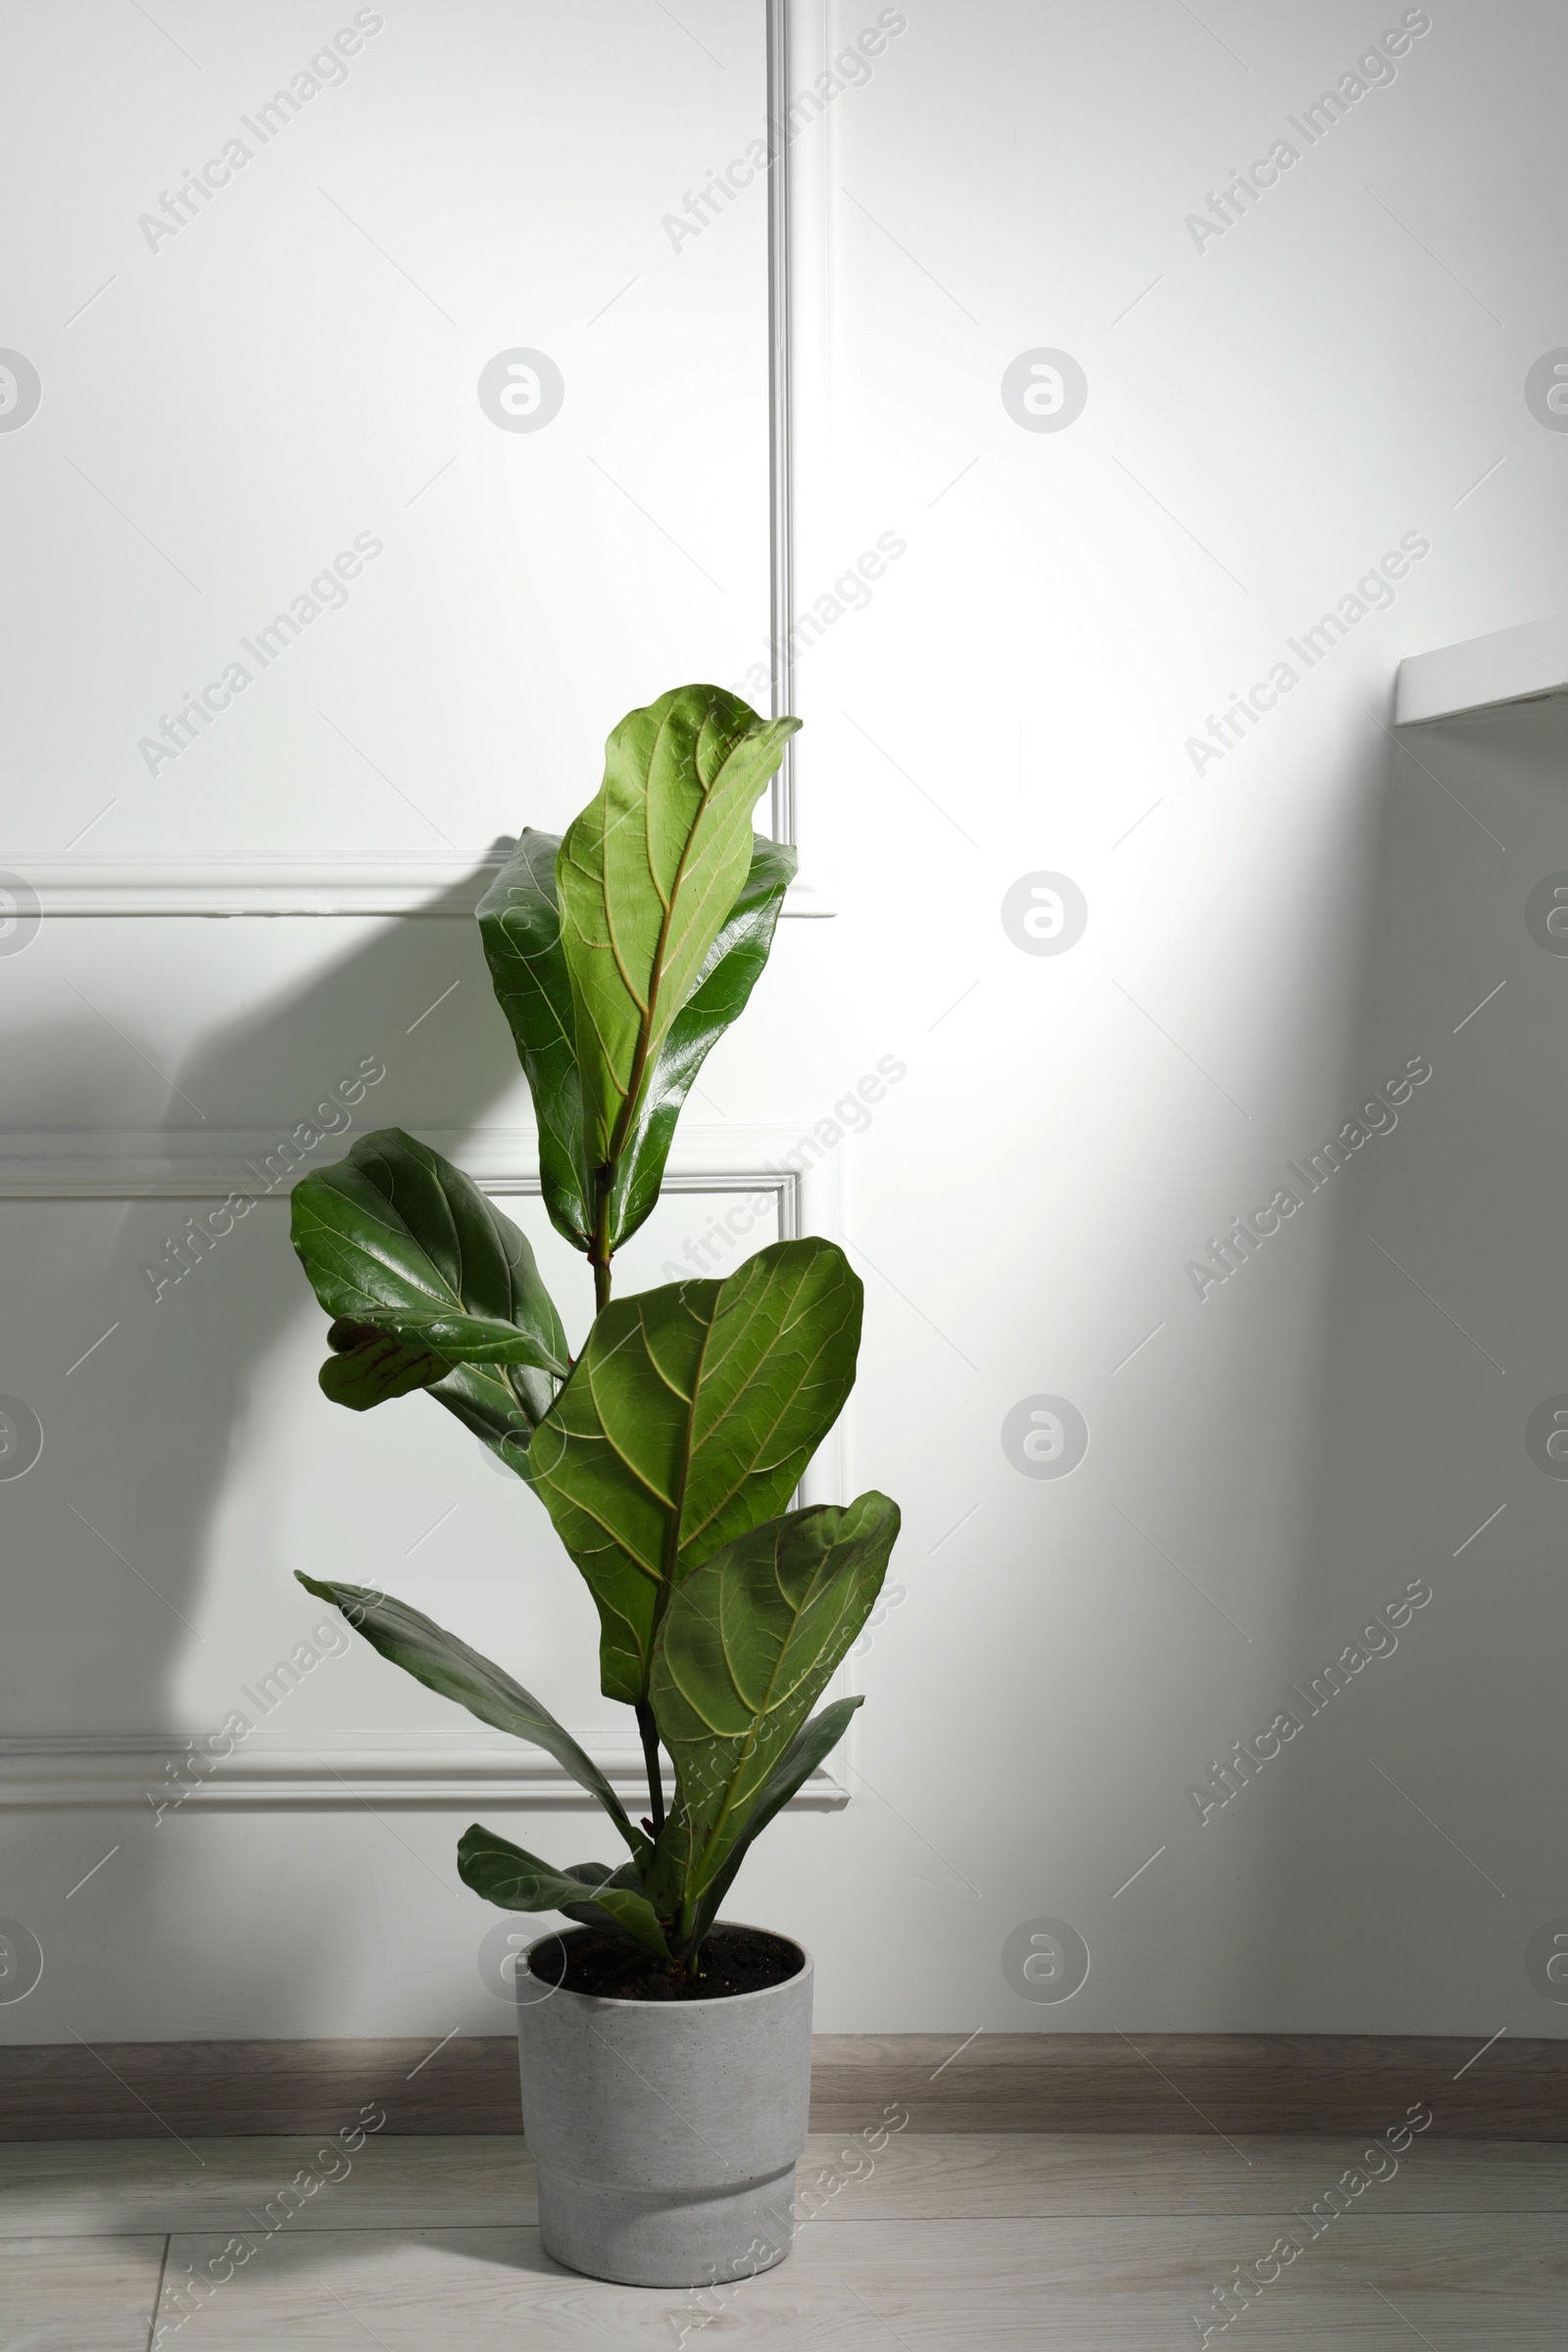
x: 811, y: 1744
x: 460, y: 1338
x: 519, y: 925
x: 443, y: 1663
x: 506, y: 1875
x: 688, y: 1417
x: 647, y: 878
x: 597, y: 1875
x: 734, y: 964
x: 396, y: 1227
x: 369, y: 1367
x: 744, y: 1651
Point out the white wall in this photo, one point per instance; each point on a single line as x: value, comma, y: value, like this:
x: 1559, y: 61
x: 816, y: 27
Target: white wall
x: 1270, y: 935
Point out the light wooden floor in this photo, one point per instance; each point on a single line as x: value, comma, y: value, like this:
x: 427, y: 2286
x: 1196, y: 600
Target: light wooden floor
x: 1103, y: 2244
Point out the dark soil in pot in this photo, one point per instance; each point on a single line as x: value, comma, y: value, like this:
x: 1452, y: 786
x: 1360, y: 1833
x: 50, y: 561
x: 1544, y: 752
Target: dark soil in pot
x: 732, y: 1961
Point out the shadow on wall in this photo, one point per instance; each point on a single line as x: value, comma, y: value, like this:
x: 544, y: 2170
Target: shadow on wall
x: 107, y: 1537
x: 1419, y: 1657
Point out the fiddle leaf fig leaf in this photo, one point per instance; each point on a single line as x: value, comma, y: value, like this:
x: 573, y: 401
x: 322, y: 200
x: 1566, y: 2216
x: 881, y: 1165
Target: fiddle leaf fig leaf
x: 399, y: 1243
x: 731, y: 971
x: 744, y: 1650
x: 688, y: 1417
x: 647, y: 878
x: 369, y: 1367
x: 458, y: 1339
x: 506, y: 1875
x: 519, y: 924
x: 444, y: 1664
x: 597, y: 1875
x: 811, y: 1744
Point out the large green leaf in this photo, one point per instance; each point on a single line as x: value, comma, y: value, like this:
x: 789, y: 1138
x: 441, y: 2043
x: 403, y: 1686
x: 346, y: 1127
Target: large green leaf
x: 688, y: 1418
x: 731, y: 971
x: 811, y: 1744
x: 647, y: 878
x: 389, y: 1350
x: 506, y: 1875
x: 368, y: 1366
x: 460, y: 1339
x: 399, y: 1242
x: 443, y: 1663
x: 519, y: 924
x: 745, y: 1650
x: 596, y: 1876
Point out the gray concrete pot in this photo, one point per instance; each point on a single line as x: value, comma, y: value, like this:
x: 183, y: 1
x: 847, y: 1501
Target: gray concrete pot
x: 665, y: 2133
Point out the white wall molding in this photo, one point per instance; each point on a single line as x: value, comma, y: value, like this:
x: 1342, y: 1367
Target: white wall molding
x: 335, y: 1770
x: 89, y: 887
x: 780, y: 448
x: 200, y: 1163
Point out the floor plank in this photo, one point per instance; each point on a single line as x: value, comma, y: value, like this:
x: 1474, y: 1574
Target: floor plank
x: 1085, y: 2285
x: 971, y: 2174
x: 1090, y: 2244
x: 61, y: 2186
x: 78, y: 2294
x: 65, y: 2187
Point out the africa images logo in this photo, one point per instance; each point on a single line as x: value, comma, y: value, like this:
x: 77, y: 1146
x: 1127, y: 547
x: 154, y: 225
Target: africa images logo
x: 522, y: 390
x: 1045, y: 1437
x: 19, y: 390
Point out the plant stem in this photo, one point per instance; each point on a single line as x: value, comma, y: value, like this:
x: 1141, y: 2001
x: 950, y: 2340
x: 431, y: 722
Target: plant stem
x: 655, y: 1779
x: 599, y: 1254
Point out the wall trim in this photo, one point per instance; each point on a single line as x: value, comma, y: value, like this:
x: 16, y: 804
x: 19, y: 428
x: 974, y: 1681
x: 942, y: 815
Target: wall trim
x: 90, y: 887
x: 1265, y: 2085
x: 335, y: 1771
x: 780, y: 444
x: 199, y: 1164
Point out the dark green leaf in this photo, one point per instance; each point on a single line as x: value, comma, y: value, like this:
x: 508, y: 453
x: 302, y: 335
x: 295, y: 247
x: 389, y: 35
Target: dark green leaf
x: 368, y: 1366
x: 745, y: 1649
x: 443, y: 1663
x: 599, y: 1875
x: 689, y: 1416
x: 396, y: 1227
x: 505, y: 1875
x: 647, y: 878
x: 459, y: 1339
x: 521, y: 927
x: 811, y: 1744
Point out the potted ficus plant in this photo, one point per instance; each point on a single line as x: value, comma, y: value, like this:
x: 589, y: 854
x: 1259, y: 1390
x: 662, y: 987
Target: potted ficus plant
x: 664, y: 2053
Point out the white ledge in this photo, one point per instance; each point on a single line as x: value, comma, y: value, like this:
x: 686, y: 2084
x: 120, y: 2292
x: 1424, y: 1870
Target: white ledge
x: 183, y: 1163
x: 336, y: 1770
x: 84, y: 886
x: 1524, y: 664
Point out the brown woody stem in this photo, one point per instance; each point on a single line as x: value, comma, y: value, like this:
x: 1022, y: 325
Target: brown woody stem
x: 655, y: 1779
x: 598, y: 1252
